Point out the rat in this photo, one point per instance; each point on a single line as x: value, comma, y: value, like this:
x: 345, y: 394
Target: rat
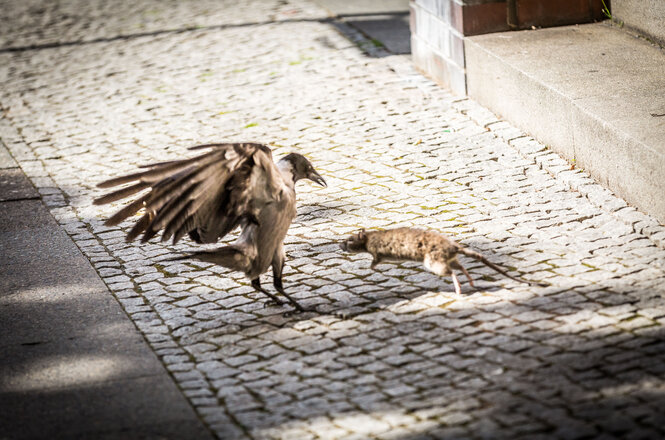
x: 437, y: 251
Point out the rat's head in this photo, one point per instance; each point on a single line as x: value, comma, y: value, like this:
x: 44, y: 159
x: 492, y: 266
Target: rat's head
x: 301, y: 168
x: 355, y: 243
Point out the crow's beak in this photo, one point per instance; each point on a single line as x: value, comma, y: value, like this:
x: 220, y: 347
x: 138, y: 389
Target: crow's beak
x: 316, y: 178
x: 342, y: 245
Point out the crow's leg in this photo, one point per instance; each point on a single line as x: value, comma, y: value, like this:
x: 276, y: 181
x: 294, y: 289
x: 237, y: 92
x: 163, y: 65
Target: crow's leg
x: 280, y: 289
x: 256, y: 283
x: 277, y: 268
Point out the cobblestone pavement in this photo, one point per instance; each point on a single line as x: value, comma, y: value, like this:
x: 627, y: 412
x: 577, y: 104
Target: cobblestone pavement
x: 92, y: 89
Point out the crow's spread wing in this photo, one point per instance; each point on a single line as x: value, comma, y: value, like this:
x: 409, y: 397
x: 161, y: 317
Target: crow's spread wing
x: 207, y: 195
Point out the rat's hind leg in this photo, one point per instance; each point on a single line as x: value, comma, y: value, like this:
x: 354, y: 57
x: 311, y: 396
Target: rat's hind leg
x: 436, y: 266
x: 442, y: 269
x: 458, y: 266
x: 458, y: 288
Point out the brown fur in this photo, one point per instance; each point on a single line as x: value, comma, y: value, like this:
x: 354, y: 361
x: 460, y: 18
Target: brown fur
x: 437, y: 252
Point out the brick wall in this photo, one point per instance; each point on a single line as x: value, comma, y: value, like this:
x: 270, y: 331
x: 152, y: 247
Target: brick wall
x: 438, y: 28
x: 548, y: 13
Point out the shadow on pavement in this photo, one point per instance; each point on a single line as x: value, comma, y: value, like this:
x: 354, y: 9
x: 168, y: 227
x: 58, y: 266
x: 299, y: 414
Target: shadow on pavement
x: 458, y: 377
x: 390, y: 31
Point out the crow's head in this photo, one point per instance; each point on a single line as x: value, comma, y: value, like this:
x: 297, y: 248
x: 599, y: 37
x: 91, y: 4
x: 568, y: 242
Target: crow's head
x: 355, y: 243
x: 301, y: 168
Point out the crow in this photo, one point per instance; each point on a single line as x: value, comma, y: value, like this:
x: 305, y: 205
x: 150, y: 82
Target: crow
x: 209, y: 195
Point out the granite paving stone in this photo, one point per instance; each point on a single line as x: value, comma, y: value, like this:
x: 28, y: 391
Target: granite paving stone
x: 92, y: 89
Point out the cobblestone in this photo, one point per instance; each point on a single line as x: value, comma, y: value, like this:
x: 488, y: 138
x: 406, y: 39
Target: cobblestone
x: 94, y: 95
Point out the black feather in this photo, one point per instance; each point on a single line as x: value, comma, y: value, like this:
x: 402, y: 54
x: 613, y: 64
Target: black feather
x: 188, y: 193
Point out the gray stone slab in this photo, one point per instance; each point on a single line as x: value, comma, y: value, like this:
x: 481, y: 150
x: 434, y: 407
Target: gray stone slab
x: 146, y: 408
x: 364, y: 7
x: 27, y: 214
x: 72, y: 364
x: 30, y: 236
x: 32, y: 245
x: 390, y: 30
x: 15, y: 186
x: 384, y: 21
x: 118, y: 354
x: 591, y: 92
x: 6, y: 160
x: 38, y: 314
x: 645, y: 16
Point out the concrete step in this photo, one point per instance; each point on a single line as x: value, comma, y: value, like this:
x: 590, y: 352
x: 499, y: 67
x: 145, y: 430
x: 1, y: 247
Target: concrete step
x: 644, y: 16
x: 72, y: 363
x: 594, y: 93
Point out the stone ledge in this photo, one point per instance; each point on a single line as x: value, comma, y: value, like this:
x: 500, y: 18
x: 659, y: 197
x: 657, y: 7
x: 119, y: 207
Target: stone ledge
x: 590, y: 92
x: 644, y: 16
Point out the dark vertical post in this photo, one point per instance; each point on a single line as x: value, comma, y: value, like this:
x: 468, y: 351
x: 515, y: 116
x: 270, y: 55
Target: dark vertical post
x: 513, y: 22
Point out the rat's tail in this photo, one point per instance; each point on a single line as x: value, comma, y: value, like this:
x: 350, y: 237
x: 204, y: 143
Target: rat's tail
x: 475, y: 255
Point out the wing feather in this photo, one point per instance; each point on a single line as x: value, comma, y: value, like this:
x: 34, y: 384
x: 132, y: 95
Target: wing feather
x: 211, y: 191
x: 139, y: 227
x: 127, y: 211
x: 121, y: 193
x: 156, y: 171
x: 199, y: 198
x: 170, y: 204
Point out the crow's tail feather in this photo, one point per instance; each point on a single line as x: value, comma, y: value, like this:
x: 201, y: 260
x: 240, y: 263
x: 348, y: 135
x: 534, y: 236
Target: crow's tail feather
x: 230, y: 257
